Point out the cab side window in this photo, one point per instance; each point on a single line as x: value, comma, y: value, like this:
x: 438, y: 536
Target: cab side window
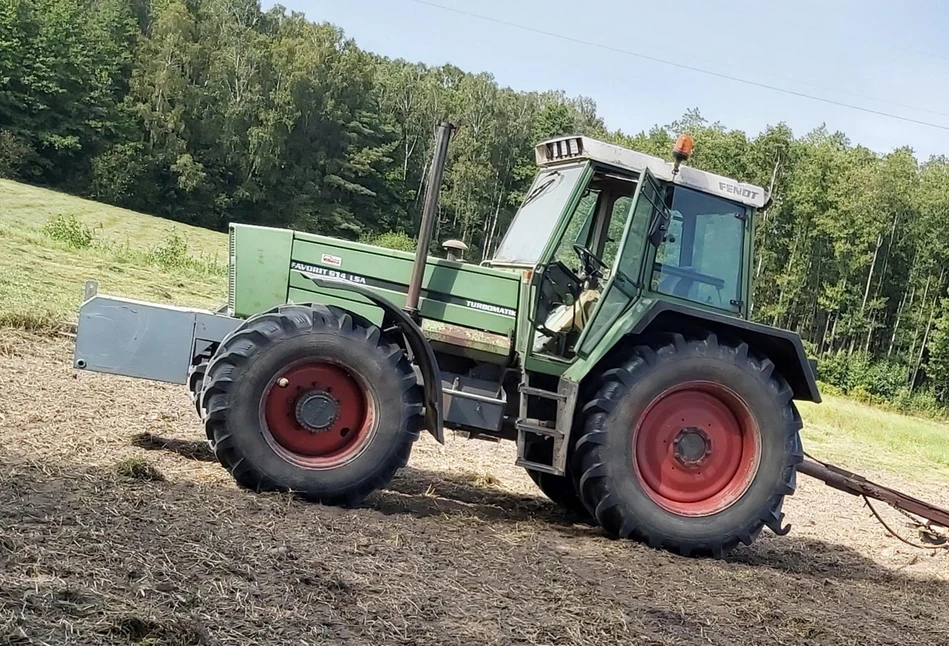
x: 700, y: 257
x: 614, y: 235
x: 578, y: 228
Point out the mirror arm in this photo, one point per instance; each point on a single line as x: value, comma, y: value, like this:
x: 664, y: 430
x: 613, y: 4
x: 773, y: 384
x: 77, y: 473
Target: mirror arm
x: 658, y: 227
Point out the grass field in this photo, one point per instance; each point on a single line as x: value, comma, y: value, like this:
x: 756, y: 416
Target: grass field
x: 859, y: 436
x: 41, y: 282
x: 130, y: 254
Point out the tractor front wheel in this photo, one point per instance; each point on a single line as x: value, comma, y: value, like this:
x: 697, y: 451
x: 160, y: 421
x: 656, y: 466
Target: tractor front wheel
x: 312, y: 400
x: 689, y: 446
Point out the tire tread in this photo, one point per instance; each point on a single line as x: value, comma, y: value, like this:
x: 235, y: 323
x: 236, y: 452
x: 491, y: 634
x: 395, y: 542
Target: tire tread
x: 280, y: 323
x: 589, y: 448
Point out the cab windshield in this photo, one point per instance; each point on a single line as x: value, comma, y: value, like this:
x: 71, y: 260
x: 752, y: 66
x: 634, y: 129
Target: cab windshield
x: 538, y: 216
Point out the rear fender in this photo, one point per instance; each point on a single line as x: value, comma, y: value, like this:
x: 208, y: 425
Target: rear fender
x: 783, y: 347
x: 422, y: 352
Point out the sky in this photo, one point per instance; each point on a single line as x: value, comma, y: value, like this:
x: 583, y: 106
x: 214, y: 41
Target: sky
x: 890, y: 57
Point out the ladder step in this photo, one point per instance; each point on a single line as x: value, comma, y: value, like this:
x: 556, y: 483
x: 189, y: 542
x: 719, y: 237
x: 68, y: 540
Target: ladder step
x: 537, y: 466
x: 540, y: 392
x: 531, y: 426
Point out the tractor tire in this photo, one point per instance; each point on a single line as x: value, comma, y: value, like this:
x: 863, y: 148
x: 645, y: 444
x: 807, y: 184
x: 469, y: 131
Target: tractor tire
x: 559, y: 489
x: 196, y: 382
x: 314, y: 400
x: 689, y: 446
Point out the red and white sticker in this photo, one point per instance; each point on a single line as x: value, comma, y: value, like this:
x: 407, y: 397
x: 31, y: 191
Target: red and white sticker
x: 335, y: 261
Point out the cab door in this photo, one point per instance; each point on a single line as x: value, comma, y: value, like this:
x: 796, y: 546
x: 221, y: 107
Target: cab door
x: 649, y: 219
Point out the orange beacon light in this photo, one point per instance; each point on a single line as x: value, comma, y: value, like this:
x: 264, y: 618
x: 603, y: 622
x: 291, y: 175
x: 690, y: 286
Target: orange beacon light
x: 682, y: 150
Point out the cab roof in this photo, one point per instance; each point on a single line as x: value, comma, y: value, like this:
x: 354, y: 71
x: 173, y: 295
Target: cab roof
x: 560, y: 150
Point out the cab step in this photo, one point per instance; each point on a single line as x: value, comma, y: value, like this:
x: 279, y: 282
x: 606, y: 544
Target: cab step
x: 540, y: 392
x: 537, y: 466
x: 537, y: 428
x: 534, y: 430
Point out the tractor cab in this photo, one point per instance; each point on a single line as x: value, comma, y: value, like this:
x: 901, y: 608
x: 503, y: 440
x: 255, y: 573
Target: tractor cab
x: 603, y: 225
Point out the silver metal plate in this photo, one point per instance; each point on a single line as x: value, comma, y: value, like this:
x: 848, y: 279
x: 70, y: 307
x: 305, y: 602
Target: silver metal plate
x: 143, y: 340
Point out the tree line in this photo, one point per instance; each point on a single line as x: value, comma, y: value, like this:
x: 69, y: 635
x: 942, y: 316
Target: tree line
x: 210, y: 111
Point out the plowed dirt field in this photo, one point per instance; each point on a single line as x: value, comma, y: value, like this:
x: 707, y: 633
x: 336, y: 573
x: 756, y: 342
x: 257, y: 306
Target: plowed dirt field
x: 117, y: 527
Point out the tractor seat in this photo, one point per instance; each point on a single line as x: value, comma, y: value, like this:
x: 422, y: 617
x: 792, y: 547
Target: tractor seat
x: 567, y: 317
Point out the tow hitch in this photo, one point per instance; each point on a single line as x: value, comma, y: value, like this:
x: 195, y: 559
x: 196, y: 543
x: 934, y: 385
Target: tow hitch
x: 934, y: 532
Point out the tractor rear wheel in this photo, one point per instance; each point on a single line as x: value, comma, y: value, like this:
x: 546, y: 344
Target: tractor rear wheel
x: 690, y: 446
x: 560, y: 489
x: 314, y: 400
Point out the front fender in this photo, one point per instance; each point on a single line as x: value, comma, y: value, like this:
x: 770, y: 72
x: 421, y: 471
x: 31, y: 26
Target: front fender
x: 422, y: 352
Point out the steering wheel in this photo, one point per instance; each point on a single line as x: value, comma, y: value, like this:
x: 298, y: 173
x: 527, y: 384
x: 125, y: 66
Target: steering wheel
x: 592, y: 265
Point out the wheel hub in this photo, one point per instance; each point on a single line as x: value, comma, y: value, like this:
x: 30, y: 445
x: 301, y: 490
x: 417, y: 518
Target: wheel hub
x: 316, y: 411
x: 696, y: 448
x: 317, y: 415
x: 692, y: 446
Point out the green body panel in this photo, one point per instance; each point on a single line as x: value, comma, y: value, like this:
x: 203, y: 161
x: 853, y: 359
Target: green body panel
x: 522, y: 339
x: 266, y: 272
x: 263, y: 255
x: 468, y: 342
x: 546, y: 366
x: 626, y: 322
x: 746, y: 265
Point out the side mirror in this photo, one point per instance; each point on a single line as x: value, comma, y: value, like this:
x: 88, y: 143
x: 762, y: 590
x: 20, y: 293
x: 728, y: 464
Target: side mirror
x: 658, y: 227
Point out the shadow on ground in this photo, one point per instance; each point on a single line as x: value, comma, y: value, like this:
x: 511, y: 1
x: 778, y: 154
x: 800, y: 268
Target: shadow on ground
x: 424, y: 494
x: 190, y: 449
x: 90, y: 555
x: 419, y: 492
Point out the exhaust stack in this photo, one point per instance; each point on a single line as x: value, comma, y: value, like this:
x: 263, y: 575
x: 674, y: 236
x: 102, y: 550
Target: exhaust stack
x: 429, y: 212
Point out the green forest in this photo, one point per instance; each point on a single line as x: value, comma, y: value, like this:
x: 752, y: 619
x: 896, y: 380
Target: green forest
x: 211, y: 111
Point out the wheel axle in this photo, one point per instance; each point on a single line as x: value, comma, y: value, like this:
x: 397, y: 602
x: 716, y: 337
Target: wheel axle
x: 692, y: 446
x: 316, y: 411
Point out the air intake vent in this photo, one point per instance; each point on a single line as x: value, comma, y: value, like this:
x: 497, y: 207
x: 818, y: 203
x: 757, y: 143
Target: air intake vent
x: 231, y: 266
x: 564, y: 148
x: 557, y: 150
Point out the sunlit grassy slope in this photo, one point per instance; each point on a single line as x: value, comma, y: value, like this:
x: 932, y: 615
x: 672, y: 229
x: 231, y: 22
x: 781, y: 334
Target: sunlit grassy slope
x: 857, y: 436
x: 41, y: 281
x: 131, y: 254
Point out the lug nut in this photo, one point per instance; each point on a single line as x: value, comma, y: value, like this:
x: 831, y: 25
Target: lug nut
x: 283, y: 382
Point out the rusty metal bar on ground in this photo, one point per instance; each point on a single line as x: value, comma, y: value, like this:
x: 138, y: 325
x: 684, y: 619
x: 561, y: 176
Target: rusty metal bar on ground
x: 857, y: 485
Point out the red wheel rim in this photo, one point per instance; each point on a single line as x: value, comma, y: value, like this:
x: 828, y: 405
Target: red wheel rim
x: 317, y: 415
x: 696, y: 449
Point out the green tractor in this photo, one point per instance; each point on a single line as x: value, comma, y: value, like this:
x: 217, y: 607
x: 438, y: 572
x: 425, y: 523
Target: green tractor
x: 609, y: 337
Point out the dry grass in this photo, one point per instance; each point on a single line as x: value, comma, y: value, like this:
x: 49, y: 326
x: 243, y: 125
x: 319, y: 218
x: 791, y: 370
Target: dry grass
x: 30, y: 207
x: 41, y: 277
x: 459, y: 550
x: 138, y: 468
x: 860, y: 436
